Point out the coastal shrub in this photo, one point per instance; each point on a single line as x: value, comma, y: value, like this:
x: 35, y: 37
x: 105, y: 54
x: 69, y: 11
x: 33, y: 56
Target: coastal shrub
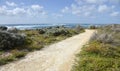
x: 94, y: 36
x: 92, y: 27
x: 18, y: 54
x: 13, y: 30
x: 102, y: 53
x: 104, y: 50
x: 10, y: 40
x: 98, y: 57
x: 94, y: 47
x: 6, y: 60
x: 103, y: 38
x: 79, y: 28
x: 60, y: 32
x: 41, y: 31
x: 73, y: 32
x: 97, y: 64
x: 17, y: 44
x: 35, y: 47
x: 57, y: 32
x: 108, y: 34
x: 3, y: 28
x: 15, y: 54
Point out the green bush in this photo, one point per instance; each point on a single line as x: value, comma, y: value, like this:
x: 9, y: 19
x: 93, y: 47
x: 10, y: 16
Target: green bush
x: 92, y: 27
x: 97, y: 64
x: 13, y: 30
x: 5, y: 60
x: 41, y: 31
x: 10, y: 40
x: 98, y: 57
x: 103, y: 50
x: 58, y: 32
x: 79, y: 28
x: 18, y: 54
x: 108, y: 35
x: 3, y: 28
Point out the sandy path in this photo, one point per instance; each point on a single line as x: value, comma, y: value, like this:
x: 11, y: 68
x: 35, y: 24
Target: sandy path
x: 56, y: 57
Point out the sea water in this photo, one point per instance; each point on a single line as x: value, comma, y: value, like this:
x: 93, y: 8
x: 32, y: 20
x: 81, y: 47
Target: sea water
x: 37, y: 26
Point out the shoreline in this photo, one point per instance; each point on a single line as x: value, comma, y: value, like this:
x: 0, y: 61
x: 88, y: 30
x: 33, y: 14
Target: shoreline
x: 40, y: 26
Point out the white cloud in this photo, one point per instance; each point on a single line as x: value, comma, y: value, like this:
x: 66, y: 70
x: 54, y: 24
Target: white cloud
x: 33, y: 10
x: 87, y: 13
x: 17, y: 11
x: 36, y: 7
x: 12, y: 12
x: 112, y: 7
x: 79, y: 10
x: 114, y: 1
x: 11, y: 3
x: 91, y: 1
x: 57, y: 15
x: 36, y: 10
x: 76, y: 12
x: 3, y: 10
x: 75, y: 9
x: 97, y: 1
x: 90, y: 7
x: 103, y: 8
x: 65, y: 10
x: 79, y: 2
x: 114, y: 14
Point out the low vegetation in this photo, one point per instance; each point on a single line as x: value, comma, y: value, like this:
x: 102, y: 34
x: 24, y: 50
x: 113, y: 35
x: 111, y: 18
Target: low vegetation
x: 15, y: 43
x: 92, y: 27
x: 10, y: 40
x: 102, y: 53
x: 3, y: 28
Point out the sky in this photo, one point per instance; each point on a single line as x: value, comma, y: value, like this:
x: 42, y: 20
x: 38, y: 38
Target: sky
x: 59, y: 11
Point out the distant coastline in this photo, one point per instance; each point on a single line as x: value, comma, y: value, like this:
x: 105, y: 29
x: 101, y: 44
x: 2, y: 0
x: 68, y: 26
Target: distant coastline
x: 37, y: 26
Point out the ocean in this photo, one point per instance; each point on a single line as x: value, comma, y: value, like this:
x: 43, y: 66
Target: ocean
x: 37, y: 26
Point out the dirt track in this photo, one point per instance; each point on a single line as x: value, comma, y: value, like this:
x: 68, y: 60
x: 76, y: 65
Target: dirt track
x: 56, y: 57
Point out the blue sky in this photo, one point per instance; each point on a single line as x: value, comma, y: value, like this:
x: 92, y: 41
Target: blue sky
x: 59, y: 11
